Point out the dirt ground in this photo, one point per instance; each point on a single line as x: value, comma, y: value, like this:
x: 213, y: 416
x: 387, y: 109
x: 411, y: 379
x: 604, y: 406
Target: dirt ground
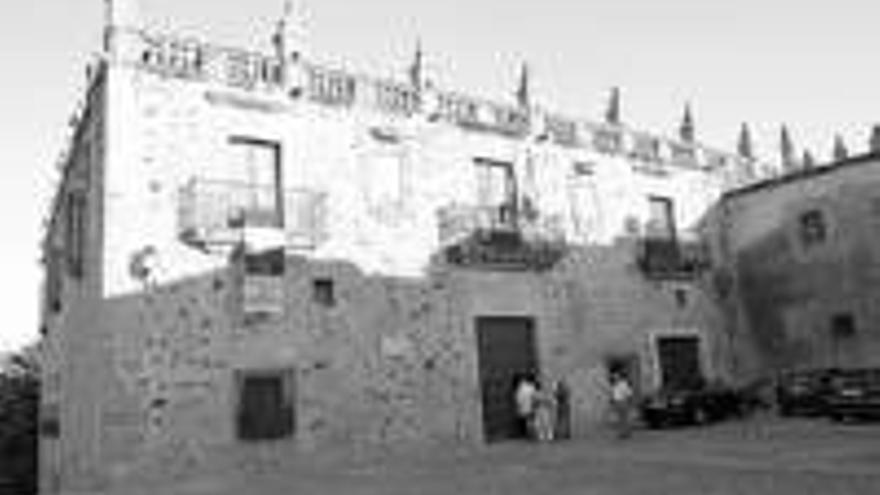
x: 755, y: 457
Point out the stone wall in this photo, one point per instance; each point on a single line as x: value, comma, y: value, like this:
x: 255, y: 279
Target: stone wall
x: 788, y: 292
x: 393, y: 363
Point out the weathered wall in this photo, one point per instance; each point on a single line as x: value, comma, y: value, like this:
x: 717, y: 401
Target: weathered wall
x: 788, y: 292
x: 383, y: 216
x: 394, y: 362
x: 70, y: 349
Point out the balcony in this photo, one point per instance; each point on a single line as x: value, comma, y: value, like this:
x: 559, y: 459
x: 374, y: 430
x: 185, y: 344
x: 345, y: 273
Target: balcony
x: 500, y: 237
x: 671, y: 258
x: 216, y: 212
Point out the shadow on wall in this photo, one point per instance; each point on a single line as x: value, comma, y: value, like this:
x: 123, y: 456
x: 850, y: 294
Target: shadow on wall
x: 774, y: 280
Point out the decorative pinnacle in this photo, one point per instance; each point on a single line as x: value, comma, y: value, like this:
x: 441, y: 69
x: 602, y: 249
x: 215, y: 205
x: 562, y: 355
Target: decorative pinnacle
x: 874, y: 142
x: 686, y: 130
x: 744, y: 145
x: 524, y: 90
x: 808, y: 161
x: 786, y: 149
x: 612, y: 113
x: 417, y: 68
x: 840, y: 152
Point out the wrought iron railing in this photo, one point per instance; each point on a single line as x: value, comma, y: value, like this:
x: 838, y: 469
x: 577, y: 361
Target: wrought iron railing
x: 215, y: 212
x: 458, y: 221
x: 669, y: 257
x: 499, y: 237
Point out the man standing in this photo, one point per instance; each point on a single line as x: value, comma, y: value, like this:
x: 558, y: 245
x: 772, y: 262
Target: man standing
x: 563, y: 410
x: 621, y: 398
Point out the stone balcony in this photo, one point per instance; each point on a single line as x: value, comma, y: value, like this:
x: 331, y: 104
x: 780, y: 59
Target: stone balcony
x: 217, y: 212
x: 499, y: 237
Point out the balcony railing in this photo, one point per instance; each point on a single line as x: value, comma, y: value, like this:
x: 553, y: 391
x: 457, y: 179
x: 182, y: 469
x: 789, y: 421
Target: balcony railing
x: 499, y: 237
x: 672, y: 258
x: 457, y: 221
x: 213, y: 212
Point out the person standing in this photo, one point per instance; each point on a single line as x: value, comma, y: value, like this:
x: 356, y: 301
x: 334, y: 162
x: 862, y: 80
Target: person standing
x: 524, y: 397
x: 545, y: 413
x: 563, y: 410
x: 621, y: 401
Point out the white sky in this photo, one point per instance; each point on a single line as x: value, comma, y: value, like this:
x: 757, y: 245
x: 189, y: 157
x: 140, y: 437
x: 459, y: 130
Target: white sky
x: 812, y: 65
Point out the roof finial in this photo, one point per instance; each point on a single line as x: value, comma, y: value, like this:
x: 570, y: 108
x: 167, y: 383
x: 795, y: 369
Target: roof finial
x: 612, y: 113
x: 417, y: 68
x: 874, y: 142
x: 808, y: 161
x: 840, y: 152
x: 786, y: 150
x: 744, y: 145
x: 686, y: 130
x: 524, y: 90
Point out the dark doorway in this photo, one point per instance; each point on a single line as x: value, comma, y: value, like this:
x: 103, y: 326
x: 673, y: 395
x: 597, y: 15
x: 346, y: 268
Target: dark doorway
x: 679, y: 358
x: 506, y: 350
x: 265, y: 408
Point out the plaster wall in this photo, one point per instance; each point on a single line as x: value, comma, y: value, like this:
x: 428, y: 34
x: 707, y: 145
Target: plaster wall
x: 789, y: 292
x: 394, y: 362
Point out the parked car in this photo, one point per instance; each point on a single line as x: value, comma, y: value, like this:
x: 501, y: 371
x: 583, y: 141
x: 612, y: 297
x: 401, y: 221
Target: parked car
x: 804, y: 392
x: 692, y: 406
x: 757, y: 394
x: 854, y: 394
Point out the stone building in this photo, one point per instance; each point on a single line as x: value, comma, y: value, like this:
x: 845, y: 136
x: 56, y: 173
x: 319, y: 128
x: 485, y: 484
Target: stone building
x: 251, y: 246
x: 800, y: 267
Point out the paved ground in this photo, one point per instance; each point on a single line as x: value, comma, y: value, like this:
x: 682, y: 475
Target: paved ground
x: 755, y: 457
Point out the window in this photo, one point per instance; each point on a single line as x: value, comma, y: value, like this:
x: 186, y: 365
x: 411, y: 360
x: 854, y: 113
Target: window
x: 75, y: 232
x: 54, y: 280
x: 323, y: 292
x: 254, y: 176
x: 265, y: 405
x: 812, y: 228
x: 661, y: 218
x: 843, y: 326
x: 263, y: 284
x: 49, y: 420
x: 496, y: 185
x: 681, y: 297
x: 267, y: 263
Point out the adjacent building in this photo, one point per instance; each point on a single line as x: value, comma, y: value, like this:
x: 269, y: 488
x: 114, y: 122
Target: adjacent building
x: 799, y: 271
x: 254, y: 249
